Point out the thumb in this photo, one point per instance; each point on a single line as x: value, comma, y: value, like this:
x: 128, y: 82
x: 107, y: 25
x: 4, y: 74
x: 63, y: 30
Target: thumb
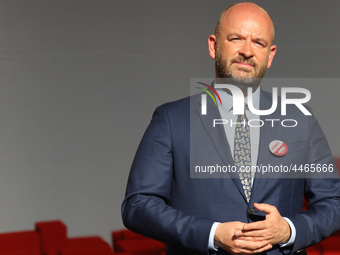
x: 264, y: 207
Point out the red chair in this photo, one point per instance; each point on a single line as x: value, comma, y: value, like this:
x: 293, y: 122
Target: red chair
x: 314, y: 250
x: 330, y: 252
x: 331, y: 244
x: 123, y: 253
x: 124, y: 235
x: 86, y: 246
x: 20, y: 243
x: 55, y: 241
x: 53, y: 235
x: 128, y: 241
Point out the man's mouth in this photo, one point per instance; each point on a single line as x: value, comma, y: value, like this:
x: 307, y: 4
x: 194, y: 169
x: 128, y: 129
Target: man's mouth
x: 244, y: 64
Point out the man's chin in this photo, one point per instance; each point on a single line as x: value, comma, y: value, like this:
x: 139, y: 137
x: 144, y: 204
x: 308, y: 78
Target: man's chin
x: 242, y: 74
x: 245, y: 79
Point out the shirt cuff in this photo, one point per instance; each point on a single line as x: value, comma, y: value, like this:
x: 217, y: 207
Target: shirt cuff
x: 292, y: 235
x: 211, y: 245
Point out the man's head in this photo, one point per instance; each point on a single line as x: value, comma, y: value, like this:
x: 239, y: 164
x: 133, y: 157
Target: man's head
x: 242, y: 44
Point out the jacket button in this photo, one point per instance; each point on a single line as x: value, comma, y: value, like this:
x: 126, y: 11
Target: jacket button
x: 251, y: 211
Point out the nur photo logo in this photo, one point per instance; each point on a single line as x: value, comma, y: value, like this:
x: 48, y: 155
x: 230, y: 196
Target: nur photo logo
x: 238, y: 99
x: 204, y: 97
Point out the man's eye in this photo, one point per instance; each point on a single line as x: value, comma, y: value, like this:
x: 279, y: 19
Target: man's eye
x: 260, y: 44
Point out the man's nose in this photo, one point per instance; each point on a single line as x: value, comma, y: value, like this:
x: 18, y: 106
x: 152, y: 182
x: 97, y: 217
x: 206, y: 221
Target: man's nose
x: 246, y: 50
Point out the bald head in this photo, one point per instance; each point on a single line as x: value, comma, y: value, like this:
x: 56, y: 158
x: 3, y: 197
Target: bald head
x: 245, y: 11
x: 243, y: 44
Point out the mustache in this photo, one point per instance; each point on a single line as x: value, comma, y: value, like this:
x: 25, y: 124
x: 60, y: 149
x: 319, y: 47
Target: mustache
x: 241, y: 59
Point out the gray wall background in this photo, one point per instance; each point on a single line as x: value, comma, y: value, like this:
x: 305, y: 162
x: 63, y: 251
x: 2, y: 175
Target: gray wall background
x: 79, y: 80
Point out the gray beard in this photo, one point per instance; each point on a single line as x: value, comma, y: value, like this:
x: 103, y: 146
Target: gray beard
x: 243, y: 83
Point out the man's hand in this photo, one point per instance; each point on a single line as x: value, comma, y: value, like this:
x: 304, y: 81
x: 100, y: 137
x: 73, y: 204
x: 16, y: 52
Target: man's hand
x: 225, y: 238
x: 273, y: 229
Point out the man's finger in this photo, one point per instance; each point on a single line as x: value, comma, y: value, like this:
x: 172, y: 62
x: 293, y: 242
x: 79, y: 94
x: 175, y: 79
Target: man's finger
x: 246, y: 238
x: 264, y: 248
x: 258, y: 225
x: 265, y: 207
x: 251, y: 234
x: 252, y: 246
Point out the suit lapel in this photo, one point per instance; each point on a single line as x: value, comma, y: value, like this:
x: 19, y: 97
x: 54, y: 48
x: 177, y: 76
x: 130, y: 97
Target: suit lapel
x: 267, y: 134
x: 218, y: 138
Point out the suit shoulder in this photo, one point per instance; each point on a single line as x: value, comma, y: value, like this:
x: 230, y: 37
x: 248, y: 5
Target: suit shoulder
x: 179, y: 107
x: 180, y: 103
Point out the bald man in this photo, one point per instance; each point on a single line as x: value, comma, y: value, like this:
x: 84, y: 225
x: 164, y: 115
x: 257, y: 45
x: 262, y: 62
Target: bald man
x: 242, y: 45
x: 217, y: 215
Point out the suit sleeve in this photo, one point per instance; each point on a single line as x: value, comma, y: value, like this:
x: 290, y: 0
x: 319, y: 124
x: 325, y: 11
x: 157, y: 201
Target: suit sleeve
x: 147, y: 208
x: 322, y: 218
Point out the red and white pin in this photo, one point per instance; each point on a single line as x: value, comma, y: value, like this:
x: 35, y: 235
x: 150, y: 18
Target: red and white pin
x: 278, y: 148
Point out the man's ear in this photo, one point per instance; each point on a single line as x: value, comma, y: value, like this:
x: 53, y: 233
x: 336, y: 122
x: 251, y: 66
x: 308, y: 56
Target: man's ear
x: 212, y: 46
x: 271, y: 55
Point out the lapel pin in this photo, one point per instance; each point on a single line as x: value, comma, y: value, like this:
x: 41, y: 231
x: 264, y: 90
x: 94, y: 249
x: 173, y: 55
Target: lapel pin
x: 278, y: 148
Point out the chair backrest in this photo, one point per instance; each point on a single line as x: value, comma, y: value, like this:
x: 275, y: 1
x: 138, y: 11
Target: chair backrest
x: 89, y: 245
x: 128, y: 241
x: 23, y: 242
x: 53, y: 234
x: 124, y: 234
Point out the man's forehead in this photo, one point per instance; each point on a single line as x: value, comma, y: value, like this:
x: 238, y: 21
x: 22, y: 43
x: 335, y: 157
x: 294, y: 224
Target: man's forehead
x: 257, y: 22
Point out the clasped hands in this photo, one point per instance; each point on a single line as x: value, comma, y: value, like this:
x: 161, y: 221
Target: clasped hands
x: 250, y: 238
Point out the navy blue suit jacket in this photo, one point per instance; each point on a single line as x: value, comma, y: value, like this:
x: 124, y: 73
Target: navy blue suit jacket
x: 164, y: 203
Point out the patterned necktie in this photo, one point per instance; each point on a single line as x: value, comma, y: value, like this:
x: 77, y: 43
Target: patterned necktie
x: 242, y: 152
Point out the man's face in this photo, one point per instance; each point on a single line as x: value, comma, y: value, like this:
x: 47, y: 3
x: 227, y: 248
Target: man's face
x: 243, y: 49
x: 239, y: 67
